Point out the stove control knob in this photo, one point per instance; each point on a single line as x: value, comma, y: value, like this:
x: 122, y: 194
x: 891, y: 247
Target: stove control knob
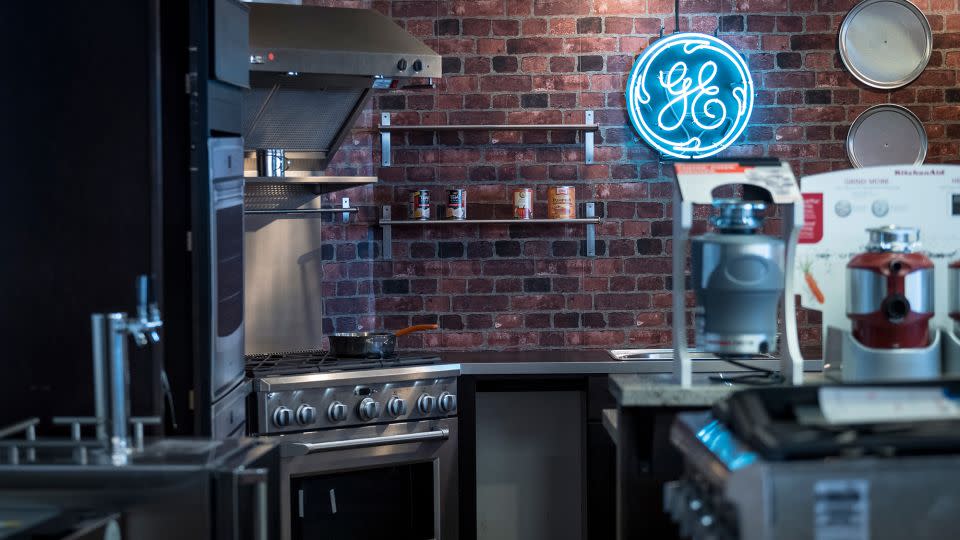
x: 306, y: 415
x: 425, y: 403
x: 337, y: 412
x: 368, y: 409
x: 447, y: 402
x: 282, y: 416
x: 417, y: 65
x: 396, y: 406
x: 402, y: 64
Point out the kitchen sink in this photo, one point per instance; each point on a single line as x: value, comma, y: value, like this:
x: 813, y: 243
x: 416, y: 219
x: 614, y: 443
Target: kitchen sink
x: 667, y: 354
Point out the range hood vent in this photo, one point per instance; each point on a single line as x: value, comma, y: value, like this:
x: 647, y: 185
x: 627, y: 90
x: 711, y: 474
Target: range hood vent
x: 312, y: 70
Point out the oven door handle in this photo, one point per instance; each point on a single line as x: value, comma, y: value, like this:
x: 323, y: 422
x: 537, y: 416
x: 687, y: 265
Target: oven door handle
x: 302, y: 449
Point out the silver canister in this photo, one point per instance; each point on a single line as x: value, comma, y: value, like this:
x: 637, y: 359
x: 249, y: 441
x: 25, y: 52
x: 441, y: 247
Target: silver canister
x: 456, y: 204
x: 737, y: 276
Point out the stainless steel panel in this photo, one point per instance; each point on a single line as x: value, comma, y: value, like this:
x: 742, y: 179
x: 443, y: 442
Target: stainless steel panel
x: 918, y: 288
x: 312, y: 39
x: 886, y: 135
x: 442, y: 452
x: 885, y: 43
x: 865, y: 290
x: 953, y: 280
x: 350, y: 395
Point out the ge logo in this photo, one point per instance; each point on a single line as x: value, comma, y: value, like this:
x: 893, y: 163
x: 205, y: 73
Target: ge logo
x: 689, y: 95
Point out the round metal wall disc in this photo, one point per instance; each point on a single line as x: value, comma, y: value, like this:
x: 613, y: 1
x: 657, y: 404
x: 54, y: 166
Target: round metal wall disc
x: 886, y: 135
x: 885, y: 43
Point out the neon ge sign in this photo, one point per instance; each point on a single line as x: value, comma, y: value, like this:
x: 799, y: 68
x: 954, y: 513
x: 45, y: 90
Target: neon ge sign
x: 689, y: 95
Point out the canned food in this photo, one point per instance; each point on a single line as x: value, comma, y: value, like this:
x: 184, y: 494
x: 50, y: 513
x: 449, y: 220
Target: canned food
x: 523, y: 203
x: 420, y: 204
x: 456, y: 204
x: 561, y: 202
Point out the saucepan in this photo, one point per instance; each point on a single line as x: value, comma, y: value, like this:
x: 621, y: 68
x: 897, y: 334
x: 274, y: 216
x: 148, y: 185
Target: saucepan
x: 371, y: 344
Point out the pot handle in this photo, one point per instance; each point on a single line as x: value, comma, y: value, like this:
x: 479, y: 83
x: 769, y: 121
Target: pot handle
x: 416, y: 328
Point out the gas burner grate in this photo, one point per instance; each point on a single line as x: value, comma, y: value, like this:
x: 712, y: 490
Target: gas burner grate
x: 316, y: 361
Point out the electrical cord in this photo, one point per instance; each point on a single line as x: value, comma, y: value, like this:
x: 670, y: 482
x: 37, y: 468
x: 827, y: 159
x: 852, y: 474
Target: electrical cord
x: 759, y: 376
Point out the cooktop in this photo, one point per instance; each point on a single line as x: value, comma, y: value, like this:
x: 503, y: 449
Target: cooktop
x: 316, y: 361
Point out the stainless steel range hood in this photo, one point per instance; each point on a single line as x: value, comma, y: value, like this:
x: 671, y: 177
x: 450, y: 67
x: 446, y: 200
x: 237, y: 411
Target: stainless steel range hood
x: 312, y: 70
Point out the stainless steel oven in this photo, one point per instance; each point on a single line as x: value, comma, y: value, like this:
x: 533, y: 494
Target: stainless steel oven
x: 366, y: 452
x: 388, y: 481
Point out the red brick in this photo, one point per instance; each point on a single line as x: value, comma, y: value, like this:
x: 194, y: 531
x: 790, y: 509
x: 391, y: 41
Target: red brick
x: 519, y: 7
x: 624, y: 7
x: 505, y: 83
x: 618, y: 25
x: 490, y: 46
x: 789, y: 79
x: 560, y: 7
x: 563, y: 26
x: 805, y: 42
x: 762, y: 6
x: 598, y: 338
x: 534, y: 45
x: 508, y: 27
x: 474, y: 7
x: 476, y: 27
x: 533, y: 27
x: 563, y: 64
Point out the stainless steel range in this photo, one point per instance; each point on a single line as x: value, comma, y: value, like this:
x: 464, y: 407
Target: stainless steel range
x: 369, y: 447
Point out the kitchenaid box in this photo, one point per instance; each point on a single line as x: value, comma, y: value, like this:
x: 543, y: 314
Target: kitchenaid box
x: 839, y: 207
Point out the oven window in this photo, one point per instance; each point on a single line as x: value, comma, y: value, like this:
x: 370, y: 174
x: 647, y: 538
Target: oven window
x: 388, y: 502
x: 229, y: 269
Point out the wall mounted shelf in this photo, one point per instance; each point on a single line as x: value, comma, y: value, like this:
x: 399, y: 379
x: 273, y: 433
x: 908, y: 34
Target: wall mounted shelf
x: 590, y: 221
x: 345, y: 210
x: 588, y: 128
x: 320, y: 184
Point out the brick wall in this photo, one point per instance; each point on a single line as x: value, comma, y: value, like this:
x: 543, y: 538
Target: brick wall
x: 547, y: 61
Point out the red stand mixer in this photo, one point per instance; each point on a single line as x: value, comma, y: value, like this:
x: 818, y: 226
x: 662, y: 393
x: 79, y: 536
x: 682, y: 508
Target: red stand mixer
x: 890, y: 290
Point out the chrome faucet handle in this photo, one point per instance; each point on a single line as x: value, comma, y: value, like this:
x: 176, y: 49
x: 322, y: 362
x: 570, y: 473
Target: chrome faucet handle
x: 145, y: 328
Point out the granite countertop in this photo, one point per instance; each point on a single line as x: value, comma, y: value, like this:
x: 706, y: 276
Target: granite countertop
x: 564, y: 361
x: 659, y: 390
x: 538, y: 362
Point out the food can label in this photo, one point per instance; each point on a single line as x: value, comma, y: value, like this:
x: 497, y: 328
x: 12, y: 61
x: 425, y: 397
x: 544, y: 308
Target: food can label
x: 523, y: 203
x: 456, y: 204
x: 562, y: 202
x: 420, y: 204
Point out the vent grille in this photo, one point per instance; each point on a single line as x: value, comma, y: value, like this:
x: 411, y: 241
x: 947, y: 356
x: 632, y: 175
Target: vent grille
x: 298, y: 119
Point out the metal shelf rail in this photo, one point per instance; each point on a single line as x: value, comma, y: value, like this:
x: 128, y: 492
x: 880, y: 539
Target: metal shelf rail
x: 588, y: 128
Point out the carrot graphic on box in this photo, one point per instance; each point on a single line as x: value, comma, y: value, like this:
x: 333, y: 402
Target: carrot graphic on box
x: 812, y: 283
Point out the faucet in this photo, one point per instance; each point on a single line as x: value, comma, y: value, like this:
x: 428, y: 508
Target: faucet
x: 111, y: 375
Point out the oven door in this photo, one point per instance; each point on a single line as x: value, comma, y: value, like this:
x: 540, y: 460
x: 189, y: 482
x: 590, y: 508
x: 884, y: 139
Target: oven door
x: 389, y: 481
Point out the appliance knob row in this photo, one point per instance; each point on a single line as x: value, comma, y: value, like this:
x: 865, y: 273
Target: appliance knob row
x: 425, y: 403
x: 306, y: 415
x: 368, y: 409
x: 396, y: 406
x: 402, y: 65
x: 337, y: 412
x: 447, y: 402
x: 282, y: 417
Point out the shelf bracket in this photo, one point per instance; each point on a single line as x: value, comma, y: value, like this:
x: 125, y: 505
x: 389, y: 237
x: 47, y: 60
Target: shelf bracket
x: 387, y: 233
x: 588, y: 139
x: 385, y: 140
x: 345, y: 204
x: 590, y: 211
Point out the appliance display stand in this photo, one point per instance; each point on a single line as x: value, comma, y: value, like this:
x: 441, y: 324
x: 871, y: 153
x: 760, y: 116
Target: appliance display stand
x: 695, y: 183
x: 848, y: 360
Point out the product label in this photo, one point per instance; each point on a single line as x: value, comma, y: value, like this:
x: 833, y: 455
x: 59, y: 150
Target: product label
x: 841, y: 510
x: 812, y: 231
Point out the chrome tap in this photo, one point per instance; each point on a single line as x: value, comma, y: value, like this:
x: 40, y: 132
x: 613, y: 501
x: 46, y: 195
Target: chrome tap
x: 145, y: 328
x: 111, y: 367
